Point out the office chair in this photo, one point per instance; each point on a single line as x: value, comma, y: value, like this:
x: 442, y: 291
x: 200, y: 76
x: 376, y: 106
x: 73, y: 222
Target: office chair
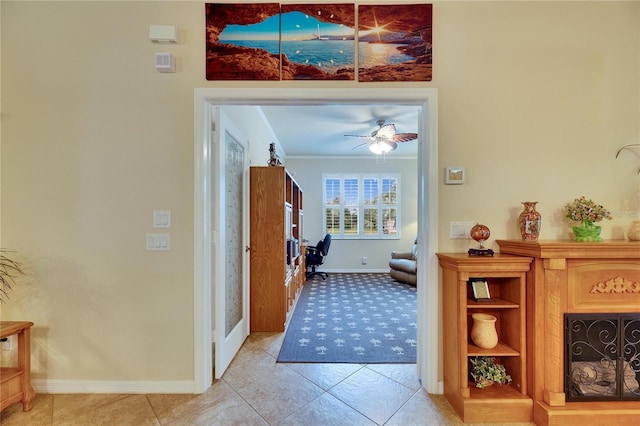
x: 315, y: 256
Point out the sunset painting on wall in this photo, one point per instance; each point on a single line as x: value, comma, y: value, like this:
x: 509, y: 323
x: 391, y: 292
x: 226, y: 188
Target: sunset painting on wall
x: 394, y: 42
x: 269, y: 41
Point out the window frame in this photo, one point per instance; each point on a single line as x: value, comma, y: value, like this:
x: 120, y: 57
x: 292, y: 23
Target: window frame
x: 341, y: 204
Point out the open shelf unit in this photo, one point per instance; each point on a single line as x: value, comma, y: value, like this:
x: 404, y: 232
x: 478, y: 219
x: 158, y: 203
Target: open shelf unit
x: 506, y: 278
x: 296, y: 270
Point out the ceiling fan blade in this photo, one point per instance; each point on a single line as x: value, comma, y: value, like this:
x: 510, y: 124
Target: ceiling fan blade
x: 358, y: 136
x: 404, y: 137
x: 362, y: 144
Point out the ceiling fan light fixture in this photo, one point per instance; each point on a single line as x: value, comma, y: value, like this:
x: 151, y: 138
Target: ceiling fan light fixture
x: 386, y: 131
x: 385, y: 138
x: 380, y: 147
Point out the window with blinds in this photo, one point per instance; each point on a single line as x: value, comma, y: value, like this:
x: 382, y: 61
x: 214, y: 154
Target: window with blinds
x: 361, y: 206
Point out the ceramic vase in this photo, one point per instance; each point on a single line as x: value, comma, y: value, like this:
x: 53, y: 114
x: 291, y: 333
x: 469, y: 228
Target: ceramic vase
x: 634, y: 231
x: 483, y: 331
x: 529, y: 221
x: 587, y: 232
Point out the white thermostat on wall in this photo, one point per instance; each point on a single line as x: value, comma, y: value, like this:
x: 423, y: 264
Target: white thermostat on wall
x: 163, y: 33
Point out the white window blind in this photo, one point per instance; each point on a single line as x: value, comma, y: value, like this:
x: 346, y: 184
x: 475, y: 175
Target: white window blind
x: 362, y: 206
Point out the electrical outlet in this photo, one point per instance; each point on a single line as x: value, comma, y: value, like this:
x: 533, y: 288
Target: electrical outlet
x: 364, y: 260
x: 460, y: 230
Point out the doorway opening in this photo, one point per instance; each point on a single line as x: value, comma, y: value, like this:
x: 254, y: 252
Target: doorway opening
x: 206, y: 100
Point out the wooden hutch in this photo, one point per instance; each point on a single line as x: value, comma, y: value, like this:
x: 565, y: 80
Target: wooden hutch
x: 277, y: 249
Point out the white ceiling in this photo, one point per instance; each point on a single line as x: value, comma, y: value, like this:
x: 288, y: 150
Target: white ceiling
x: 318, y: 130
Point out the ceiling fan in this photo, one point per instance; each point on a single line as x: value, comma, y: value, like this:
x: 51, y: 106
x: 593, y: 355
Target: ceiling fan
x: 385, y: 138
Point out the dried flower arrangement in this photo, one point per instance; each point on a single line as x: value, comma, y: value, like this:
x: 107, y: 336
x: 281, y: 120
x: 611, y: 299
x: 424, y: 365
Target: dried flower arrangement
x: 485, y: 372
x: 586, y: 211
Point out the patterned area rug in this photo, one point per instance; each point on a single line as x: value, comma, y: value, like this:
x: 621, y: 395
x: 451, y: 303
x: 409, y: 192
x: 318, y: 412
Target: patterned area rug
x: 352, y: 318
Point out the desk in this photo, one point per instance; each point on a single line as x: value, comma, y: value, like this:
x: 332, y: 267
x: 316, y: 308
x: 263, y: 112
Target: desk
x: 16, y: 382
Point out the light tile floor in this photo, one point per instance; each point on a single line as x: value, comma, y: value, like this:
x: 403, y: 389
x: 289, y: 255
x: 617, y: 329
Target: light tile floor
x: 256, y: 390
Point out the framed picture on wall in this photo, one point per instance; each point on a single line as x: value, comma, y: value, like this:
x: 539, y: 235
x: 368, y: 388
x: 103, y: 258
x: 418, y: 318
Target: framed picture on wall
x: 395, y: 42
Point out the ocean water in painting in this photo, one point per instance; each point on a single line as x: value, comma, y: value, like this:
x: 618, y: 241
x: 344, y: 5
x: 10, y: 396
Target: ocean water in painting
x: 327, y: 55
x: 306, y: 40
x: 374, y: 54
x: 330, y: 55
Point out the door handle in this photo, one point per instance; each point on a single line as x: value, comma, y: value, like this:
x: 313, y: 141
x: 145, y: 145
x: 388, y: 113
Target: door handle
x: 247, y: 249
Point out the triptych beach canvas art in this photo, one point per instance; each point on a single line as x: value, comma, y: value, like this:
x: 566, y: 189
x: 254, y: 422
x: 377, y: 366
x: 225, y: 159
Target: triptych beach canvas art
x: 269, y: 41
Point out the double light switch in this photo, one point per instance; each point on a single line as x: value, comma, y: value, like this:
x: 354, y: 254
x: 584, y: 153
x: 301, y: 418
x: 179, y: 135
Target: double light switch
x: 161, y: 219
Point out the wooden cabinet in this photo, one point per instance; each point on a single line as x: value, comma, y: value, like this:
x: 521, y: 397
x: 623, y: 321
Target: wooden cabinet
x: 16, y: 381
x: 277, y: 251
x: 506, y: 278
x: 569, y: 277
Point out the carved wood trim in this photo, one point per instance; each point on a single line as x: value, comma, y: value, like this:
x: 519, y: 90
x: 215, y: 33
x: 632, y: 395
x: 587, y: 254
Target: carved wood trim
x: 616, y: 285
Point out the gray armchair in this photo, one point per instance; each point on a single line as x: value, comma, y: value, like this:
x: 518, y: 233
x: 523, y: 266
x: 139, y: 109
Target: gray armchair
x: 404, y: 266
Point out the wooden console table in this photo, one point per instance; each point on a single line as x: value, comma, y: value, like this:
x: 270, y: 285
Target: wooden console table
x: 16, y: 382
x: 573, y: 277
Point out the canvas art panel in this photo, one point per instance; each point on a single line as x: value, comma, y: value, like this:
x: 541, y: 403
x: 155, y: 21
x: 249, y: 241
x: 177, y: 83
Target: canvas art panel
x: 243, y: 41
x: 269, y: 41
x: 395, y: 42
x: 318, y: 41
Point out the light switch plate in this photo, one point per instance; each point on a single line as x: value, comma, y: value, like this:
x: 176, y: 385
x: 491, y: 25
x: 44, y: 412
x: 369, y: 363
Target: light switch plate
x: 162, y: 219
x: 158, y: 242
x: 460, y: 230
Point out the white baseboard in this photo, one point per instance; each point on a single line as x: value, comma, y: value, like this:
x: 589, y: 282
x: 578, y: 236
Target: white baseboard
x: 355, y: 271
x: 113, y: 386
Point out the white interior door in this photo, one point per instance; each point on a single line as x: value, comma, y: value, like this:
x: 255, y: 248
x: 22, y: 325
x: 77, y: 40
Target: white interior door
x: 230, y: 258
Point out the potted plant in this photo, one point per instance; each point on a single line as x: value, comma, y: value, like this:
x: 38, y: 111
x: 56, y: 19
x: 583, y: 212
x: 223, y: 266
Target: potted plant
x: 586, y: 212
x: 9, y: 269
x: 486, y: 372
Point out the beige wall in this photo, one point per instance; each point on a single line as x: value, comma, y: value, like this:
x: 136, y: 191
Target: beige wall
x: 535, y: 98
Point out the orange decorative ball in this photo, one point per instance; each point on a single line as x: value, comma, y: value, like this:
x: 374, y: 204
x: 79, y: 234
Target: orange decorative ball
x: 480, y: 233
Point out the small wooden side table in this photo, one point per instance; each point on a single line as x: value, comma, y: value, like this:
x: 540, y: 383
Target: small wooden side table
x: 16, y: 382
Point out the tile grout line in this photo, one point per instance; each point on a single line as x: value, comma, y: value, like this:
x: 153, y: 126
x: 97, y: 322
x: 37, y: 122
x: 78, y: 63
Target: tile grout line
x: 401, y: 406
x: 243, y: 399
x: 146, y: 395
x: 327, y: 391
